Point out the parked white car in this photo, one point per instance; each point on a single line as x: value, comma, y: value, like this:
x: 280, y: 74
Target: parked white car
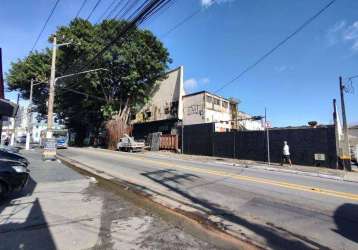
x: 128, y: 144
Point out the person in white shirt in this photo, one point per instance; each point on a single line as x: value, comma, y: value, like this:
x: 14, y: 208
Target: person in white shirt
x: 286, y: 154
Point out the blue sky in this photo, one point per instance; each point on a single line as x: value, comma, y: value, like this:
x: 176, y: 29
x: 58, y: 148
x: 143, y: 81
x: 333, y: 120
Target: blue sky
x: 297, y: 83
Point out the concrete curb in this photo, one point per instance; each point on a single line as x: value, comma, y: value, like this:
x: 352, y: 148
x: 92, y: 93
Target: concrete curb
x: 290, y: 171
x: 212, y: 224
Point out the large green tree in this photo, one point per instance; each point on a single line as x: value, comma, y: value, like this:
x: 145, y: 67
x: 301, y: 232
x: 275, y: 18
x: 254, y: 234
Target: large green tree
x: 134, y: 63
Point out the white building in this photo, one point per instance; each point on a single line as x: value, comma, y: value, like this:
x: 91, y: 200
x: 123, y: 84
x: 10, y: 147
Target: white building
x: 245, y: 122
x: 205, y: 107
x: 169, y: 104
x: 21, y: 126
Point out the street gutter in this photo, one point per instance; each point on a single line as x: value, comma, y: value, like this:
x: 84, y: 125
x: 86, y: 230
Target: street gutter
x: 191, y: 219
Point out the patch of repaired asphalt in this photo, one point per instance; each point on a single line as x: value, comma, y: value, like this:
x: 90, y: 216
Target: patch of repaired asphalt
x: 126, y: 226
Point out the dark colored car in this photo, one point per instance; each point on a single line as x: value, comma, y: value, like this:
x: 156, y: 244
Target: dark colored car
x: 13, y: 177
x: 7, y: 156
x: 9, y: 149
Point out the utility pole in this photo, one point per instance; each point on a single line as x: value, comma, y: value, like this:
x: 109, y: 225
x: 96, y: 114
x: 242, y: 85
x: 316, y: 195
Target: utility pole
x: 29, y: 117
x: 14, y: 125
x: 336, y: 131
x: 267, y: 139
x: 52, y: 89
x: 346, y: 156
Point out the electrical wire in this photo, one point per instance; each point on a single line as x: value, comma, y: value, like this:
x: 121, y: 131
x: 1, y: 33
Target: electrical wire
x: 105, y: 12
x: 114, y: 9
x: 45, y: 24
x: 277, y: 46
x: 134, y: 21
x: 81, y: 7
x: 84, y: 94
x: 93, y: 9
x: 182, y: 22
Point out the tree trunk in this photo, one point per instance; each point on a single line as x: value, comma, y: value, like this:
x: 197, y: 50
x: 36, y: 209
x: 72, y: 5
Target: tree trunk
x: 116, y: 128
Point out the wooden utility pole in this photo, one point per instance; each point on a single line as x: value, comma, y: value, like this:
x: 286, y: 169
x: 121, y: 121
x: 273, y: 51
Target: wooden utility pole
x: 346, y: 155
x: 51, y: 97
x: 29, y: 117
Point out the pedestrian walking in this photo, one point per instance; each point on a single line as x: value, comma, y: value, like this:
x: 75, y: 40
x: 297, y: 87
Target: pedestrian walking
x: 286, y: 154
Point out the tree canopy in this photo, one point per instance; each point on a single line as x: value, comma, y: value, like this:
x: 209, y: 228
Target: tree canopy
x: 134, y: 63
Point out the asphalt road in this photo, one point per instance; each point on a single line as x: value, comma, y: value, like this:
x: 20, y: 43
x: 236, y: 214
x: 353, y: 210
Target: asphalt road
x: 62, y: 209
x: 280, y: 210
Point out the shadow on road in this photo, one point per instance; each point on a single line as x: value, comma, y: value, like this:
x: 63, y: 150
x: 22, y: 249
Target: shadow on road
x: 22, y: 222
x: 346, y: 219
x: 274, y: 238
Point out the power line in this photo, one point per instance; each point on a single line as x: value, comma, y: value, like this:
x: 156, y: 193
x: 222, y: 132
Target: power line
x: 280, y: 44
x: 162, y: 10
x: 81, y: 7
x: 126, y: 10
x: 138, y: 19
x: 134, y: 20
x: 105, y: 12
x: 185, y: 20
x: 45, y: 24
x: 114, y: 9
x: 93, y: 9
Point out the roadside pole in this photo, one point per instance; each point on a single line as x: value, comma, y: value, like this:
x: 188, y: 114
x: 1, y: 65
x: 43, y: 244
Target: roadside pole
x: 345, y: 157
x: 336, y: 131
x: 29, y: 117
x: 267, y: 140
x: 52, y: 89
x: 12, y: 141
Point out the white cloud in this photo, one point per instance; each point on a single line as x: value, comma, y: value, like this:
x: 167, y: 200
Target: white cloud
x: 190, y: 84
x: 208, y: 3
x: 350, y: 34
x: 334, y: 33
x: 205, y: 80
x: 342, y: 32
x: 281, y: 68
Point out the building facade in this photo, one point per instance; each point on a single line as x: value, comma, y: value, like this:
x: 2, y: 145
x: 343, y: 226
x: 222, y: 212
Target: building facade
x: 204, y: 107
x: 166, y: 100
x: 245, y: 122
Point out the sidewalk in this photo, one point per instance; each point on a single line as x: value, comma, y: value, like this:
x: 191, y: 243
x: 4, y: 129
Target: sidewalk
x: 314, y: 171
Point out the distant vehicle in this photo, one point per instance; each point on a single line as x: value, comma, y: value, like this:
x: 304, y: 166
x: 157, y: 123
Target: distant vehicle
x: 13, y: 157
x: 13, y: 177
x: 21, y: 139
x: 128, y: 144
x: 61, y: 136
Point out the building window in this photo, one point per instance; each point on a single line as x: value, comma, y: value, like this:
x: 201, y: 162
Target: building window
x: 216, y: 101
x: 225, y: 104
x: 148, y: 114
x: 209, y: 99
